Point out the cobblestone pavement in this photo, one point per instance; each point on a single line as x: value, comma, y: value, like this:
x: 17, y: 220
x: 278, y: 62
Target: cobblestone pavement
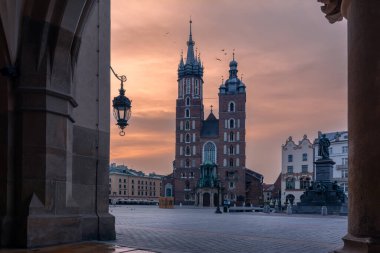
x: 201, y: 230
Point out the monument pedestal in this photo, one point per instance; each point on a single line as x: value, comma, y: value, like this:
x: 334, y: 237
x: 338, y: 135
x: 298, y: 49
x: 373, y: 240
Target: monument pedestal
x: 322, y: 192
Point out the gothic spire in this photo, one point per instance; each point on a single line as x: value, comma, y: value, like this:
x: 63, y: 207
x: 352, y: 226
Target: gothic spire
x: 190, y: 46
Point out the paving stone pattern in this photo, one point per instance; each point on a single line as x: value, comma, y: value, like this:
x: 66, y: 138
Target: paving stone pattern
x: 201, y: 230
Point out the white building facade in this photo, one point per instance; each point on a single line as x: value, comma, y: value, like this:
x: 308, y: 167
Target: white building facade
x: 297, y: 170
x: 339, y: 154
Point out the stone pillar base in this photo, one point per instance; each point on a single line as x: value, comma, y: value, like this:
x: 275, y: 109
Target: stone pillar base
x: 354, y: 244
x: 45, y: 230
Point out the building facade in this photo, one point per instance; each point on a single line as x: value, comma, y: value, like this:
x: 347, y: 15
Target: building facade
x: 296, y: 170
x: 209, y: 152
x: 339, y: 154
x: 133, y: 187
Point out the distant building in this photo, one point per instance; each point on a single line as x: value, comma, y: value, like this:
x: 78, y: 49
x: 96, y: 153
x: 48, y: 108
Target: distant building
x: 297, y: 169
x: 133, y: 187
x: 272, y: 192
x: 267, y: 193
x: 254, y: 188
x: 339, y: 154
x: 210, y: 152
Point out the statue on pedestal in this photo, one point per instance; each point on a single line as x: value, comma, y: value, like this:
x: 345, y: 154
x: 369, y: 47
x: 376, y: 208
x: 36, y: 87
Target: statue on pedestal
x: 323, y: 147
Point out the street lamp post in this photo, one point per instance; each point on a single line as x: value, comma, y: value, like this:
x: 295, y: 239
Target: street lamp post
x: 121, y: 105
x: 218, y: 203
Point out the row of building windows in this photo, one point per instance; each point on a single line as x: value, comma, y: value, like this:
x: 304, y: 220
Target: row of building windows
x: 304, y: 158
x: 138, y: 182
x: 187, y: 151
x: 231, y: 105
x: 343, y: 151
x: 231, y: 136
x: 188, y: 138
x: 232, y: 150
x: 139, y: 193
x: 189, y: 175
x: 186, y: 83
x: 291, y: 183
x: 187, y: 125
x: 231, y: 163
x: 304, y: 168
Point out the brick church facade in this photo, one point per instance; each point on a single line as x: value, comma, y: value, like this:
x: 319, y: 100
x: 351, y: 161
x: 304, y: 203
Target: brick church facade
x: 210, y: 153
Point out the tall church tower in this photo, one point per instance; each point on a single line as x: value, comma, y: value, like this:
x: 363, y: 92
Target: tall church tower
x: 232, y: 115
x: 189, y: 117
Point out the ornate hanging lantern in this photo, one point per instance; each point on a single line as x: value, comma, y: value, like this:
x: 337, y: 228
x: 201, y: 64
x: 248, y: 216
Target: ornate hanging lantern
x: 121, y: 105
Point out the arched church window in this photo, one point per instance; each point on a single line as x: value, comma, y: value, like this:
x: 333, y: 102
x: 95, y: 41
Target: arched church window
x: 187, y: 163
x: 187, y: 138
x: 209, y: 152
x: 232, y: 123
x: 187, y: 101
x: 187, y: 113
x: 231, y: 107
x: 188, y: 86
x: 231, y: 150
x: 187, y: 125
x: 232, y: 136
x: 231, y: 162
x: 196, y: 88
x: 187, y: 150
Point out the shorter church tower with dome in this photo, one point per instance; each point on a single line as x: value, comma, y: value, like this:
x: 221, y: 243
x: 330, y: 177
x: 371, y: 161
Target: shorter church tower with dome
x: 210, y: 153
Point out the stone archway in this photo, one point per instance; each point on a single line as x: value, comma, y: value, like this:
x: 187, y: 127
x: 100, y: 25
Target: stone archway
x: 62, y: 145
x: 290, y: 199
x: 206, y: 199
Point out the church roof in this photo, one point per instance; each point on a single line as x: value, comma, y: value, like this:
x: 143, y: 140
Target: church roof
x: 211, y: 116
x: 233, y: 84
x: 210, y: 127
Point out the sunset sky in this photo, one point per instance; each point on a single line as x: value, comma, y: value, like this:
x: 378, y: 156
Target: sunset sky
x: 292, y: 60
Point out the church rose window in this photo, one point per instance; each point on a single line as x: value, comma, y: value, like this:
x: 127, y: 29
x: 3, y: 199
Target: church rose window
x: 209, y: 152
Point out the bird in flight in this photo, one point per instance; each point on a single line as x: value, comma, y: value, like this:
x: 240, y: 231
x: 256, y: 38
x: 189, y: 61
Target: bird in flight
x: 218, y: 59
x: 222, y: 50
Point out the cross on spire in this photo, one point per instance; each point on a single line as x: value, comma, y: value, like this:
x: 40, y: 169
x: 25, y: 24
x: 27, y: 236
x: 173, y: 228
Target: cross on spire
x: 211, y: 106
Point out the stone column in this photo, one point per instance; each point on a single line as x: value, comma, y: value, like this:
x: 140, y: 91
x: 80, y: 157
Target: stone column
x: 363, y: 126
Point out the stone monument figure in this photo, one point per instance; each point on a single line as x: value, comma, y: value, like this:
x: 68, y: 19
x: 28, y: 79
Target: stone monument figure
x: 323, y: 147
x: 323, y: 196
